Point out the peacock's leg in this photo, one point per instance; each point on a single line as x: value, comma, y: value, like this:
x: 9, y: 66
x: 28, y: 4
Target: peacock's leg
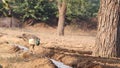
x: 31, y: 48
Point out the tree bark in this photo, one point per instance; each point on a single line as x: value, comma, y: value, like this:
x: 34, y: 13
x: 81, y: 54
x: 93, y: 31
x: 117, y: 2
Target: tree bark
x: 61, y: 21
x: 108, y: 35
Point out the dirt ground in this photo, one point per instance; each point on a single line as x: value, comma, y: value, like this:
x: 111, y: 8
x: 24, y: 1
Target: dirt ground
x: 72, y: 39
x: 66, y: 49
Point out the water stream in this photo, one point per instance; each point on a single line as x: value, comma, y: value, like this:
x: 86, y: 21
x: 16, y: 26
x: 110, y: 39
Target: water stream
x: 59, y: 64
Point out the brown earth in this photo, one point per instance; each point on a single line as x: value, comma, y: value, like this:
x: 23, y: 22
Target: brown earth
x: 73, y: 49
x: 36, y: 63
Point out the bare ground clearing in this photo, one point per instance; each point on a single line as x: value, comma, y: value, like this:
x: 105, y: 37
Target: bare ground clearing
x: 67, y: 49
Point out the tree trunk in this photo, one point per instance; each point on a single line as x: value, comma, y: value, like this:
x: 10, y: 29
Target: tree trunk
x: 61, y: 21
x: 108, y: 35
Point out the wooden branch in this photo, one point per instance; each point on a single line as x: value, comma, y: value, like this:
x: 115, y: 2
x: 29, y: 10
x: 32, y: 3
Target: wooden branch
x: 63, y: 50
x: 58, y: 4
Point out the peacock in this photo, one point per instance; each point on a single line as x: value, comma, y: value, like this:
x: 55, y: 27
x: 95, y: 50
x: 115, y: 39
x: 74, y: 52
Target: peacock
x: 32, y: 40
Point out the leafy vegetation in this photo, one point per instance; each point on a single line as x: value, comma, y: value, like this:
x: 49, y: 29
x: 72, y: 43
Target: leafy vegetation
x: 42, y: 10
x: 82, y: 8
x: 34, y: 9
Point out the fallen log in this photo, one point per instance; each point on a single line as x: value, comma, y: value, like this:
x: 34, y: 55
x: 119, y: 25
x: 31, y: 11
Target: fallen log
x: 84, y: 55
x: 69, y: 51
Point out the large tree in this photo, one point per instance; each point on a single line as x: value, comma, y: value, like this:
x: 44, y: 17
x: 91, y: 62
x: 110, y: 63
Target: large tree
x: 61, y: 21
x: 108, y: 35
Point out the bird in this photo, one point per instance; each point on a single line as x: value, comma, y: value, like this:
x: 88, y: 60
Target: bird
x: 32, y: 40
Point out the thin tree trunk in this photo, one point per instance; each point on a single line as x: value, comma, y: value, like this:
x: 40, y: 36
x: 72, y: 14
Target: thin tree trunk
x: 61, y: 21
x: 108, y: 36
